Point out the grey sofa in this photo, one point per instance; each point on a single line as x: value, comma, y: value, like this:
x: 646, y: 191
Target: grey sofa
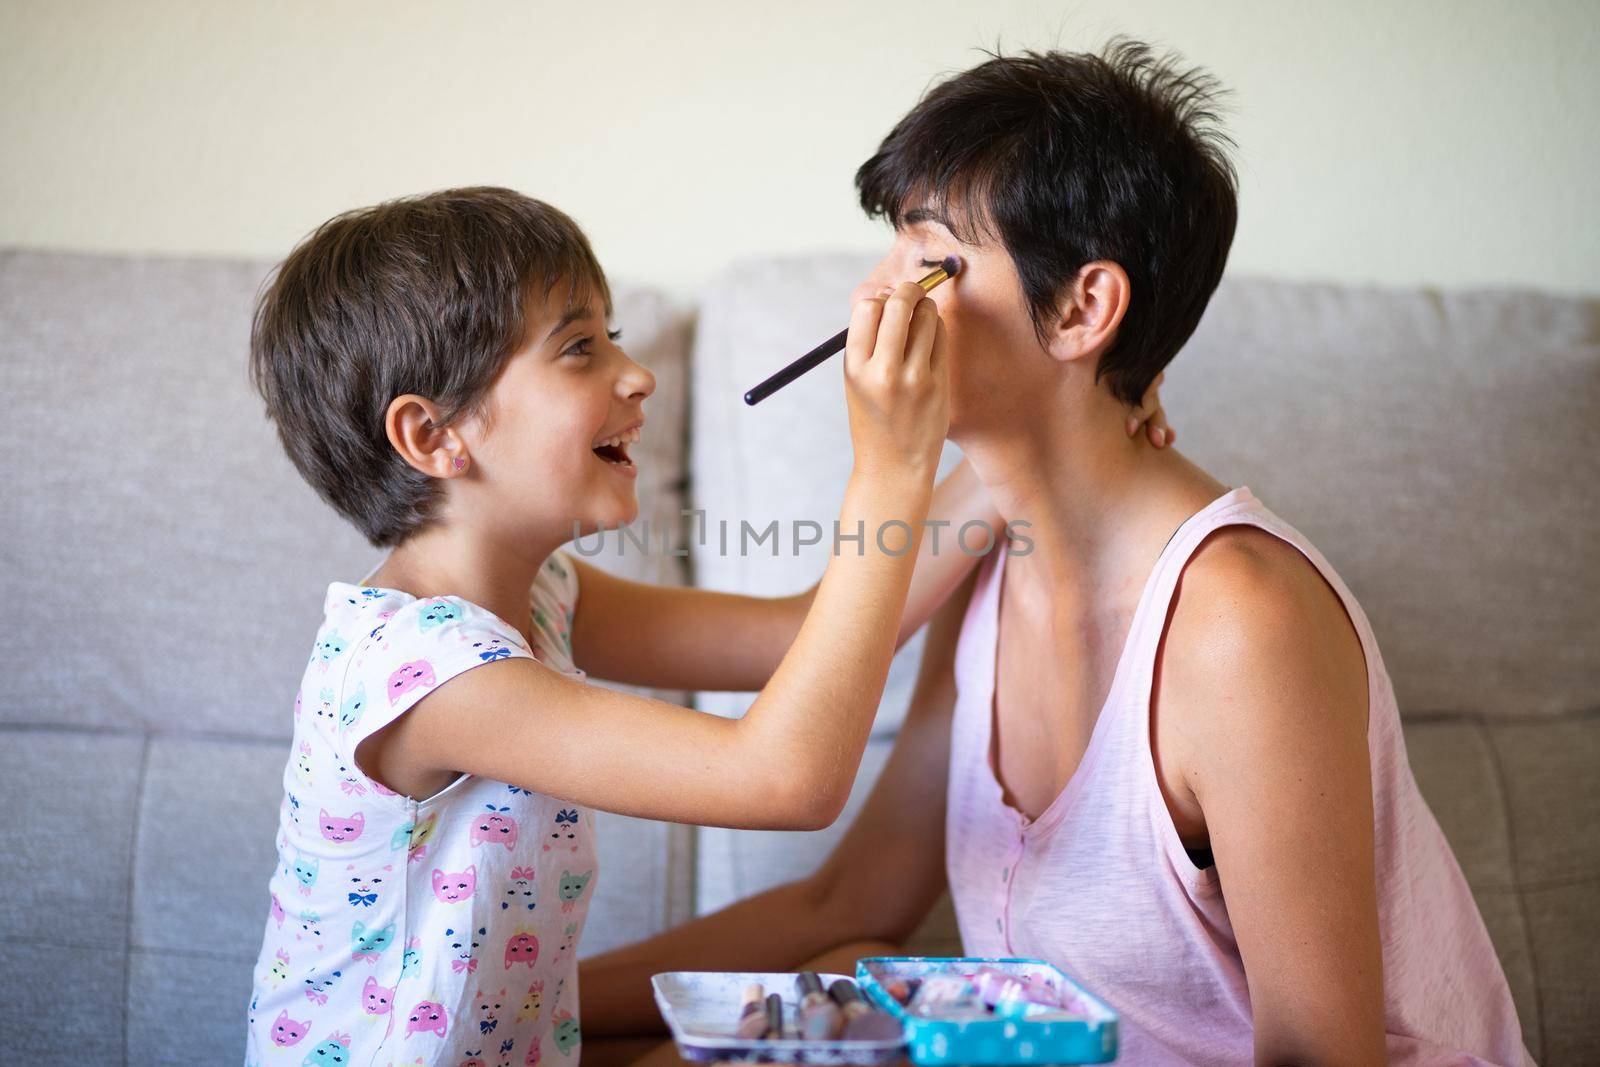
x: 164, y: 567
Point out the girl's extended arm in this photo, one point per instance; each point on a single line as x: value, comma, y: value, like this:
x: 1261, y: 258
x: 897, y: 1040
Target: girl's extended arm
x: 790, y: 761
x: 696, y: 639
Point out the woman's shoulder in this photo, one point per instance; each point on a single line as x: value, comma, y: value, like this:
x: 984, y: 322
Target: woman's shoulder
x: 1257, y: 634
x: 1246, y: 593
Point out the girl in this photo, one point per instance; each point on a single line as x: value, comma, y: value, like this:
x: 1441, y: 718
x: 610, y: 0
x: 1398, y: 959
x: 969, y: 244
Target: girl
x: 440, y: 370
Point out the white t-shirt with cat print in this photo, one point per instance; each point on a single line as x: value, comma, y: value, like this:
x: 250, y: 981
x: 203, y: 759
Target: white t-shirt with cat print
x: 439, y: 932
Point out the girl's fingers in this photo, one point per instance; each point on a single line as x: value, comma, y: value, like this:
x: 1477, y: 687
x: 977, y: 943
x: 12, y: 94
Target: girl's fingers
x: 939, y: 357
x: 864, y: 320
x: 1149, y: 415
x: 895, y: 326
x: 1160, y: 436
x: 924, y: 329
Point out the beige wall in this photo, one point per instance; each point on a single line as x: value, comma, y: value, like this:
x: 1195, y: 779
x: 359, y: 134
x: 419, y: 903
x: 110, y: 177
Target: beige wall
x: 1437, y: 142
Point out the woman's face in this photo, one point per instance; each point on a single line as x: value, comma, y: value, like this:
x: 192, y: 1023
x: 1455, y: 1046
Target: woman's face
x: 996, y: 361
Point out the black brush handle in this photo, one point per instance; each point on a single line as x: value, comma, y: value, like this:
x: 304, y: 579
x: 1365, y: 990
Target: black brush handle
x: 814, y: 358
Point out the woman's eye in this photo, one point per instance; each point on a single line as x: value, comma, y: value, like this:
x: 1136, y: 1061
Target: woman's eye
x: 615, y: 335
x: 931, y: 263
x: 580, y: 348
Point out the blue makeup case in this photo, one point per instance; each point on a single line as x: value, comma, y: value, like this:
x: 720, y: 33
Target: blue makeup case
x: 1089, y: 1037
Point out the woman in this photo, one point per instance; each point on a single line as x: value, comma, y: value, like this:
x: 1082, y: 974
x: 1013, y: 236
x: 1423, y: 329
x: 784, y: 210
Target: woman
x: 1170, y: 753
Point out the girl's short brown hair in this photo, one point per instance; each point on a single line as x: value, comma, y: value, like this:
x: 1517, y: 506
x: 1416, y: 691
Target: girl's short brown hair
x: 426, y: 295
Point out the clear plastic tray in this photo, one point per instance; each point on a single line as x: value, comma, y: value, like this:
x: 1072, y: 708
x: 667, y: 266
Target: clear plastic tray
x: 701, y: 1009
x: 1091, y: 1037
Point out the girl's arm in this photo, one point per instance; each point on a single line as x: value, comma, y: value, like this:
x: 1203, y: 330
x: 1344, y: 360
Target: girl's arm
x: 878, y: 883
x: 663, y: 637
x: 790, y: 761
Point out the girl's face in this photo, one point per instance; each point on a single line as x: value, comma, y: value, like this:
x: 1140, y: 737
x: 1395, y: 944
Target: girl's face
x: 552, y: 442
x: 996, y: 361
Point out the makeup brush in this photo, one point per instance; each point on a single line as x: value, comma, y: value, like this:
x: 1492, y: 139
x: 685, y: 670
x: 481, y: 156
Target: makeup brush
x: 818, y: 1018
x: 949, y: 268
x: 774, y: 1031
x: 753, y: 1013
x: 862, y: 1022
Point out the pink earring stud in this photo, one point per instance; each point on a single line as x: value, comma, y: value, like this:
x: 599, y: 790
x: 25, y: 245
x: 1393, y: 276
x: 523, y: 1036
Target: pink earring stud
x: 460, y: 463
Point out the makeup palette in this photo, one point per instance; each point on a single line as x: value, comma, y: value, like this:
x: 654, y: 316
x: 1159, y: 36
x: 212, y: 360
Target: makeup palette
x: 989, y: 1012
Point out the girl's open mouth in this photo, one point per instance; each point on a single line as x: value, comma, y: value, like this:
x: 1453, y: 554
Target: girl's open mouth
x: 614, y: 450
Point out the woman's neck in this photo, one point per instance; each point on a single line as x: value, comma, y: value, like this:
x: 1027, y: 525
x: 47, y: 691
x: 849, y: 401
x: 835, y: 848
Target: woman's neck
x: 1099, y: 504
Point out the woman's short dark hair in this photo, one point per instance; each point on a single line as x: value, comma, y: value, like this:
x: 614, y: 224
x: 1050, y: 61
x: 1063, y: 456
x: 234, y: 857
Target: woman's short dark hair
x: 427, y: 295
x: 1068, y: 158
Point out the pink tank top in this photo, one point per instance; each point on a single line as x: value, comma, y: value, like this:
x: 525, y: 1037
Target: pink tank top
x: 1101, y: 886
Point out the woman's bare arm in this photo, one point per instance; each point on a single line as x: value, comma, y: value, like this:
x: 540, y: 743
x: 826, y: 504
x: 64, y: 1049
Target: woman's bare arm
x: 1262, y: 706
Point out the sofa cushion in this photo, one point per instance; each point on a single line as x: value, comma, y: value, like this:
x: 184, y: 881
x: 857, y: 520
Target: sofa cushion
x: 64, y: 1003
x: 71, y: 799
x: 1442, y: 450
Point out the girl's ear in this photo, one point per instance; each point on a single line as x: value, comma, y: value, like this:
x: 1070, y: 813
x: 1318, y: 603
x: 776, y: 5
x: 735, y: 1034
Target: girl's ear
x: 412, y: 426
x: 1092, y: 307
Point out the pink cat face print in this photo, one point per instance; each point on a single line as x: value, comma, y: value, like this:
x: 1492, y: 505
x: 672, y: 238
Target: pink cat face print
x: 341, y: 828
x: 427, y: 1017
x: 452, y: 888
x: 375, y: 998
x: 522, y: 947
x: 417, y: 674
x: 495, y: 826
x: 286, y: 1031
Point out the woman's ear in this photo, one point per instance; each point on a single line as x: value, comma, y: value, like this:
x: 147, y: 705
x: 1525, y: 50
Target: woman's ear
x: 1091, y: 309
x: 412, y: 426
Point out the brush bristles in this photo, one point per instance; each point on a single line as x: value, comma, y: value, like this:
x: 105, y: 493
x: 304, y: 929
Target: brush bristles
x: 951, y: 265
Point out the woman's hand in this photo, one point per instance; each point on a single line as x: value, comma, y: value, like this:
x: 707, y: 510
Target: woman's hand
x: 1150, y: 417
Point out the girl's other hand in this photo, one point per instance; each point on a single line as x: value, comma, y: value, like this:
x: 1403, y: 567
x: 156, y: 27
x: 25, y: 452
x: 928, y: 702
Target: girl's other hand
x: 897, y: 381
x: 1150, y: 417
